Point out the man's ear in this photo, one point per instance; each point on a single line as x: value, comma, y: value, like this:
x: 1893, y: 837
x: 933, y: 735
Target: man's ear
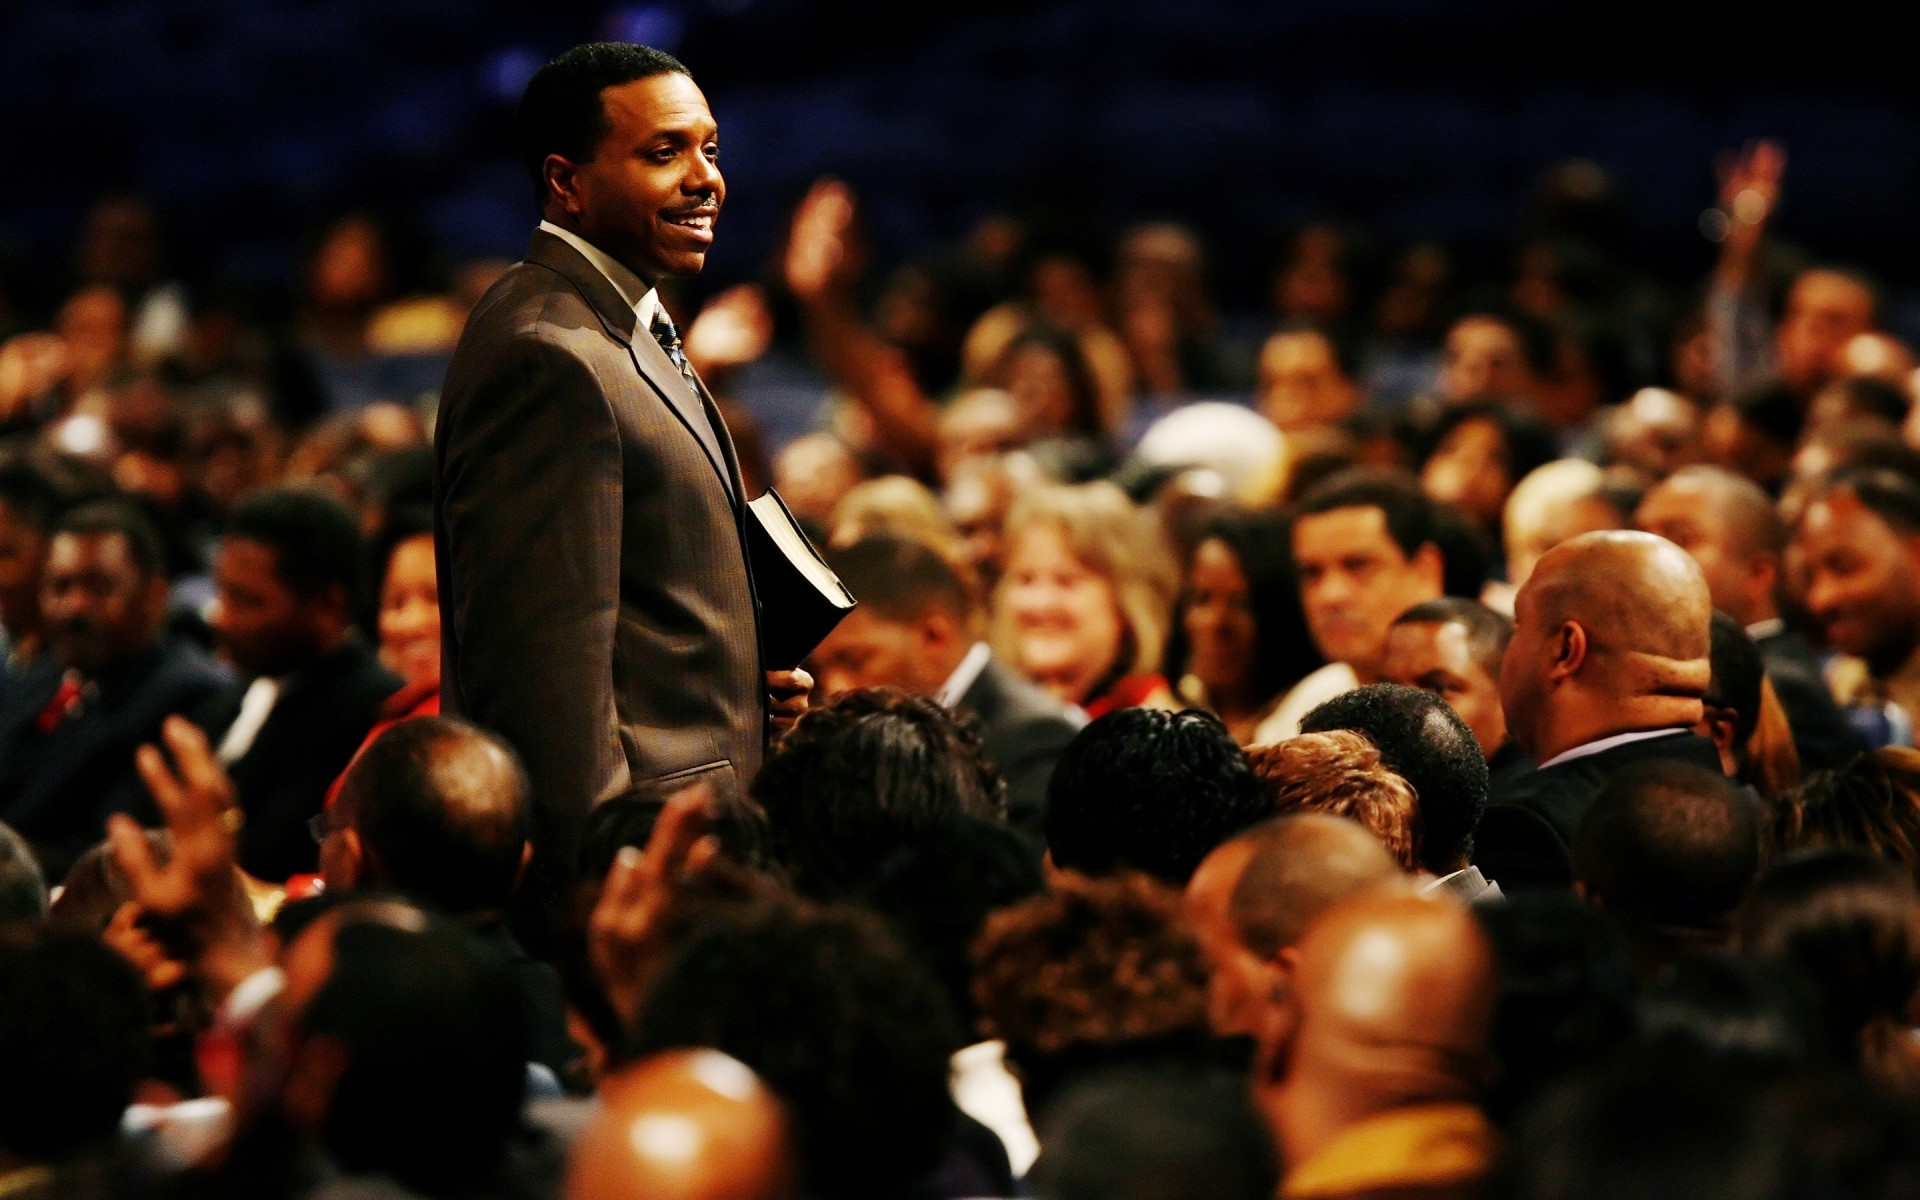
x: 1431, y: 566
x: 563, y: 184
x: 938, y: 629
x: 1569, y: 651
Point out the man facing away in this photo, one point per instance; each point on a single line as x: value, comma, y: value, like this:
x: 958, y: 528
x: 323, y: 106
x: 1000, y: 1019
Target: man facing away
x: 595, y: 594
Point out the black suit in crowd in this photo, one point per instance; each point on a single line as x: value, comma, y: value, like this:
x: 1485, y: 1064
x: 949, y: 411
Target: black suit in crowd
x: 1023, y: 731
x: 1821, y: 732
x: 314, y: 729
x: 1524, y: 837
x: 60, y: 778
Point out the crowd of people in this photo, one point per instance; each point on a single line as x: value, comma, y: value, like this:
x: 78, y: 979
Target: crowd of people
x: 1426, y: 740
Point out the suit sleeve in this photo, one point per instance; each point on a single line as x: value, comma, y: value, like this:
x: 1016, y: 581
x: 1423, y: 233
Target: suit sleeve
x: 530, y: 495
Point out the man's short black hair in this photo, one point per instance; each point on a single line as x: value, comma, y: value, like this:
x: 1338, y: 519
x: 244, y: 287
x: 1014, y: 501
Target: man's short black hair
x: 315, y: 539
x: 73, y: 1036
x: 855, y: 777
x: 1155, y: 1131
x: 1151, y: 791
x: 1889, y: 495
x: 1412, y: 519
x: 106, y: 517
x: 859, y: 1052
x: 23, y: 889
x: 899, y: 579
x: 561, y: 111
x: 31, y: 498
x: 410, y: 796
x: 1738, y: 672
x: 1488, y: 632
x: 1425, y: 742
x: 437, y: 1041
x: 1668, y: 845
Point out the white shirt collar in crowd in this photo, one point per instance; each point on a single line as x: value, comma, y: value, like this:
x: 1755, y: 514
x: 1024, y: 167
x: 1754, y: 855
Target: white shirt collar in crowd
x: 964, y: 676
x: 632, y: 288
x: 1608, y: 743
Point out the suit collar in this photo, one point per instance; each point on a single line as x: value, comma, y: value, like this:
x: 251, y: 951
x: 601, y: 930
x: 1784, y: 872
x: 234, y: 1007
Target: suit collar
x: 616, y: 314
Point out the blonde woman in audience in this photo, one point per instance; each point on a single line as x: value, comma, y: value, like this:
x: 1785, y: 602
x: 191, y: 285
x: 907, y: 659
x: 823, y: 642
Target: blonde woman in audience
x: 1083, y: 606
x: 896, y: 505
x: 1341, y: 774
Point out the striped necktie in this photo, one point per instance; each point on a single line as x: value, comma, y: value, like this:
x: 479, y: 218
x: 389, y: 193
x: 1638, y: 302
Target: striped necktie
x: 669, y: 339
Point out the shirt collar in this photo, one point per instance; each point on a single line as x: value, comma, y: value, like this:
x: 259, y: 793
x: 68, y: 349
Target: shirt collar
x: 644, y: 300
x: 965, y: 675
x: 1766, y: 628
x: 1608, y: 743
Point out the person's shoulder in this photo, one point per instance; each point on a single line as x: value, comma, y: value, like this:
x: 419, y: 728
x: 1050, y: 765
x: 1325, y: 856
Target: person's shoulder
x: 184, y: 668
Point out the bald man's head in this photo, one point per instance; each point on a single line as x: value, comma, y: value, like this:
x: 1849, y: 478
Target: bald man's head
x: 1253, y: 897
x: 435, y: 809
x: 1390, y: 1007
x: 684, y: 1125
x: 1611, y: 635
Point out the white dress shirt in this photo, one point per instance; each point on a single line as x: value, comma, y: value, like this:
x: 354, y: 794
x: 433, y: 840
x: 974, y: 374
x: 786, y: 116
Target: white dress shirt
x: 964, y: 676
x: 633, y: 289
x: 1607, y: 743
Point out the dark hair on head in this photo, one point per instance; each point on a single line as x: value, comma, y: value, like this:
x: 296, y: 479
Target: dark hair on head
x: 1668, y: 845
x: 1467, y: 552
x: 1718, y: 1008
x: 1425, y: 742
x: 1889, y: 495
x: 1090, y: 972
x: 1160, y: 1131
x: 1565, y: 997
x: 1526, y: 441
x: 104, y: 518
x: 1850, y: 923
x: 1738, y: 672
x: 859, y: 1052
x: 315, y: 540
x: 561, y: 111
x: 1086, y: 418
x: 1871, y: 804
x: 899, y: 578
x: 938, y: 886
x: 623, y: 821
x: 74, y: 1036
x: 437, y: 1041
x: 1151, y: 791
x: 445, y: 831
x: 30, y: 497
x: 855, y: 777
x: 1772, y: 410
x: 1488, y: 632
x: 1412, y: 519
x: 23, y: 889
x: 1260, y: 542
x: 1536, y: 338
x: 400, y: 526
x: 1873, y: 397
x: 1345, y: 348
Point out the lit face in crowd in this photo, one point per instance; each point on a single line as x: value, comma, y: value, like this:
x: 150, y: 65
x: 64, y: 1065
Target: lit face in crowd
x: 1222, y: 633
x: 1068, y: 632
x: 410, y: 613
x: 1355, y: 579
x: 97, y: 605
x: 1860, y: 580
x: 1438, y: 657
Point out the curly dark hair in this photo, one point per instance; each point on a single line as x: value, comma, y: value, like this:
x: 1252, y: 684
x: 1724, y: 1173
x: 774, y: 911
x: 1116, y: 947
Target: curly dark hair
x: 1086, y: 974
x: 1871, y: 804
x: 856, y: 777
x: 840, y: 1022
x: 1151, y: 791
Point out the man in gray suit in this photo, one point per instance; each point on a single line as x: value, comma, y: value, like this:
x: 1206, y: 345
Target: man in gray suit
x: 596, y: 600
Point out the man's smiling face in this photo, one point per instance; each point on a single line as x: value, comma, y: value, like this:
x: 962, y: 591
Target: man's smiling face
x: 651, y: 192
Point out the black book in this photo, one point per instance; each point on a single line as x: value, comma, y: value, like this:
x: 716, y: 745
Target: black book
x: 801, y: 599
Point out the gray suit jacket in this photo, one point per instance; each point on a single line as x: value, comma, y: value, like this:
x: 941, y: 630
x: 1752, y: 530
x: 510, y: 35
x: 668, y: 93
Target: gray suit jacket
x: 596, y: 607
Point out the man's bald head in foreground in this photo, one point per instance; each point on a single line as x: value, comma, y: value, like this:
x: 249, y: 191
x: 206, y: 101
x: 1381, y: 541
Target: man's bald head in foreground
x: 1389, y: 1008
x: 684, y: 1125
x: 1611, y: 635
x: 1253, y: 897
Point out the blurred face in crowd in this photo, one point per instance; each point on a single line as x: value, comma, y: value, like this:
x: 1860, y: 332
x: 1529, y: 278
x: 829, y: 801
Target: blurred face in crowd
x: 1860, y: 580
x: 1219, y: 621
x: 1068, y: 631
x: 1438, y: 658
x: 1684, y: 512
x: 1042, y: 389
x: 1655, y: 433
x: 1301, y: 383
x: 97, y: 605
x: 652, y: 191
x: 21, y: 548
x: 867, y: 650
x: 1468, y: 469
x: 1824, y: 310
x: 979, y: 493
x: 93, y: 324
x: 1484, y: 360
x: 349, y: 270
x: 983, y: 423
x: 410, y: 613
x: 121, y: 244
x: 1355, y: 579
x: 264, y: 626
